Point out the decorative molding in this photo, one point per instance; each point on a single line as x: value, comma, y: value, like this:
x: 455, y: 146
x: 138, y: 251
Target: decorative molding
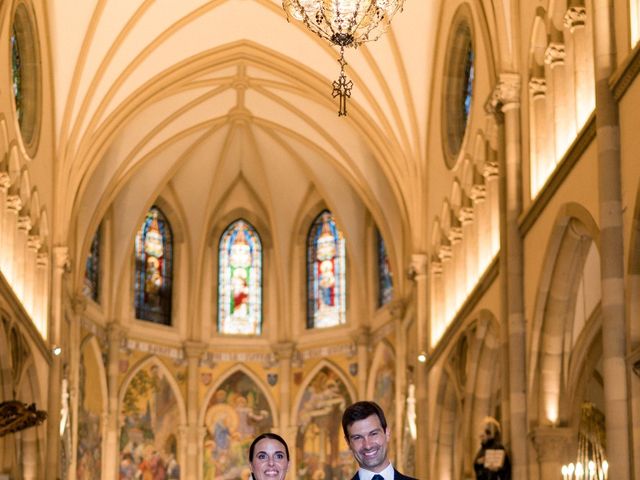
x: 585, y: 137
x: 555, y: 54
x: 505, y: 94
x: 537, y: 87
x: 576, y: 17
x: 347, y: 349
x: 128, y: 344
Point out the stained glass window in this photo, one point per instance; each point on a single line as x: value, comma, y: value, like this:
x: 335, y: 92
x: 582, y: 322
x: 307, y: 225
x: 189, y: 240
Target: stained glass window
x: 91, y: 286
x: 468, y: 82
x: 240, y: 280
x: 385, y: 278
x: 16, y: 73
x: 326, y: 273
x: 154, y: 268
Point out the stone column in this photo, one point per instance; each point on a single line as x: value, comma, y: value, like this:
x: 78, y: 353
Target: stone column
x: 41, y: 299
x: 611, y: 247
x: 115, y: 334
x: 14, y: 204
x: 554, y: 447
x: 61, y: 262
x: 419, y: 271
x: 75, y: 340
x: 284, y: 355
x: 540, y: 162
x: 5, y: 182
x: 30, y: 279
x: 554, y: 56
x: 575, y: 20
x: 396, y: 309
x: 361, y: 338
x: 194, y: 352
x: 20, y: 254
x: 504, y: 103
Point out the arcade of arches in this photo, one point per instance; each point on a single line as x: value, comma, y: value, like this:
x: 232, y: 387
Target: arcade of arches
x: 195, y: 248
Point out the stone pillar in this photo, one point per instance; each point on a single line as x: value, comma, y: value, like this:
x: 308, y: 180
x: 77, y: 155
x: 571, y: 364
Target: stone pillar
x: 396, y: 309
x: 284, y: 355
x: 504, y: 103
x: 41, y: 299
x: 554, y: 56
x: 194, y: 352
x: 20, y: 254
x: 61, y: 262
x: 5, y: 182
x: 14, y: 204
x: 575, y: 20
x: 540, y: 162
x: 614, y: 330
x: 30, y: 278
x: 75, y: 340
x: 361, y: 337
x: 111, y: 454
x: 419, y: 270
x: 554, y: 446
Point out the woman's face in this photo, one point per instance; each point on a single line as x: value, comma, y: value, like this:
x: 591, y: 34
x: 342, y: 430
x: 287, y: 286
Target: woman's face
x: 269, y: 460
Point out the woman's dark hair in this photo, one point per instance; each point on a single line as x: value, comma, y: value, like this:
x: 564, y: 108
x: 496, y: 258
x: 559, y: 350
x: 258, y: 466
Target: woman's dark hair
x: 272, y: 436
x: 360, y: 411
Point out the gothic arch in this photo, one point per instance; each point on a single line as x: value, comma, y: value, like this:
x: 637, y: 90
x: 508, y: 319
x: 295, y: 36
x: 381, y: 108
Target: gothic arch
x: 240, y: 368
x: 310, y: 377
x: 447, y: 429
x: 551, y: 344
x: 154, y: 360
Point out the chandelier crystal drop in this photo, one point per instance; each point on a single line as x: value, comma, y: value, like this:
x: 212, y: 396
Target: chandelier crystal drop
x: 345, y: 23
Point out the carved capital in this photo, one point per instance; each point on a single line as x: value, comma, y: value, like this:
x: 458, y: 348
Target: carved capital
x: 361, y: 336
x: 537, y: 87
x: 576, y: 17
x: 42, y: 259
x: 5, y: 181
x: 553, y: 444
x: 284, y: 350
x: 397, y: 309
x: 14, y: 203
x: 61, y: 258
x: 436, y: 266
x: 418, y: 264
x: 79, y: 304
x: 505, y: 95
x: 34, y: 242
x: 24, y: 223
x: 555, y: 54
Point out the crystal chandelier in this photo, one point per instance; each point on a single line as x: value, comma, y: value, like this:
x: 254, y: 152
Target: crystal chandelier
x: 345, y: 23
x: 591, y: 463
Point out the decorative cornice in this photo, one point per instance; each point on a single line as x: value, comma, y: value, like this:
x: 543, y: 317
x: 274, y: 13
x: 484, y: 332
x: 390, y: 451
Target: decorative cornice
x: 576, y: 17
x: 555, y: 54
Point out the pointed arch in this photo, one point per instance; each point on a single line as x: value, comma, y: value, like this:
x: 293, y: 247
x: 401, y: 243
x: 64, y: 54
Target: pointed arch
x: 92, y: 406
x: 448, y: 414
x: 326, y: 273
x: 153, y: 413
x: 154, y: 268
x: 237, y: 408
x: 240, y: 280
x: 320, y: 443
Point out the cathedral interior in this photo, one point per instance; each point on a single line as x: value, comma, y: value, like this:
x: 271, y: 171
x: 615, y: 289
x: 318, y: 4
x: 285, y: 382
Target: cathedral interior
x: 216, y: 222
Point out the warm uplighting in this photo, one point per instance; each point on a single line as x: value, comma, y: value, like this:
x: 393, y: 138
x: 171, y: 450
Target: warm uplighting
x: 422, y: 357
x: 56, y: 350
x: 590, y: 463
x: 345, y: 23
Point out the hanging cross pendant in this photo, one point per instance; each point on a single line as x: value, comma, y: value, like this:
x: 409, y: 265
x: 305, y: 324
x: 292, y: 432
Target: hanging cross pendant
x: 342, y: 87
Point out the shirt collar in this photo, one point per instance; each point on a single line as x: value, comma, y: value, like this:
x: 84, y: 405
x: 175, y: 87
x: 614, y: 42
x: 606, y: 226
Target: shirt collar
x: 387, y: 473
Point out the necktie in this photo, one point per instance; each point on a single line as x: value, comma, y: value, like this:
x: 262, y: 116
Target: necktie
x: 377, y: 476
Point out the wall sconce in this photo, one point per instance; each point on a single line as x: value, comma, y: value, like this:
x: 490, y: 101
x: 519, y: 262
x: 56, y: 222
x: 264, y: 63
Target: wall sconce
x: 422, y: 357
x: 56, y: 350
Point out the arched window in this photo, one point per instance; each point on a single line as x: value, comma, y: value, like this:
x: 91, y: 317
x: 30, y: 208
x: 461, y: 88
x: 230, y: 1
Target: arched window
x: 154, y: 268
x: 92, y: 268
x: 240, y: 280
x: 385, y: 278
x: 326, y: 273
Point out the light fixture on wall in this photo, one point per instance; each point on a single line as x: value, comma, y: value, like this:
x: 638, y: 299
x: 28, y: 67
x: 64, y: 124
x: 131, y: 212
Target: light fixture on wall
x: 345, y: 23
x: 422, y: 357
x: 591, y: 463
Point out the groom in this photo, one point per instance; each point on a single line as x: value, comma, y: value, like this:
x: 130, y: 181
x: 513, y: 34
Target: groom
x: 367, y: 434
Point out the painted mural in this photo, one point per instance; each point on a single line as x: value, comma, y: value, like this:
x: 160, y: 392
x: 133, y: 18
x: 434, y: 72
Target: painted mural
x: 322, y: 452
x: 90, y: 406
x: 149, y: 419
x: 384, y: 391
x: 237, y: 412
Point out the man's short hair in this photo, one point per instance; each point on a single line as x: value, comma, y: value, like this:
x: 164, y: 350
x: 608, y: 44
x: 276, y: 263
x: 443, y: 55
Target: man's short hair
x: 360, y: 411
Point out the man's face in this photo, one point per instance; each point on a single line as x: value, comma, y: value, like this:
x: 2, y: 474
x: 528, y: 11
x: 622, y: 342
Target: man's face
x: 369, y: 442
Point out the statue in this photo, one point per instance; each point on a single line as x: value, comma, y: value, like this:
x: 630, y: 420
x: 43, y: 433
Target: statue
x: 492, y: 460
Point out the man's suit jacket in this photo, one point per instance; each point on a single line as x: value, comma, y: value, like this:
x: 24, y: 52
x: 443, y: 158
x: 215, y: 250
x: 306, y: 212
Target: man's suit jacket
x: 397, y: 476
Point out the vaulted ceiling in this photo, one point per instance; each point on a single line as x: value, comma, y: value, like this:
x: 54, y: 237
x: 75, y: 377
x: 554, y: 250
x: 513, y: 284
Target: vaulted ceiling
x: 221, y: 105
